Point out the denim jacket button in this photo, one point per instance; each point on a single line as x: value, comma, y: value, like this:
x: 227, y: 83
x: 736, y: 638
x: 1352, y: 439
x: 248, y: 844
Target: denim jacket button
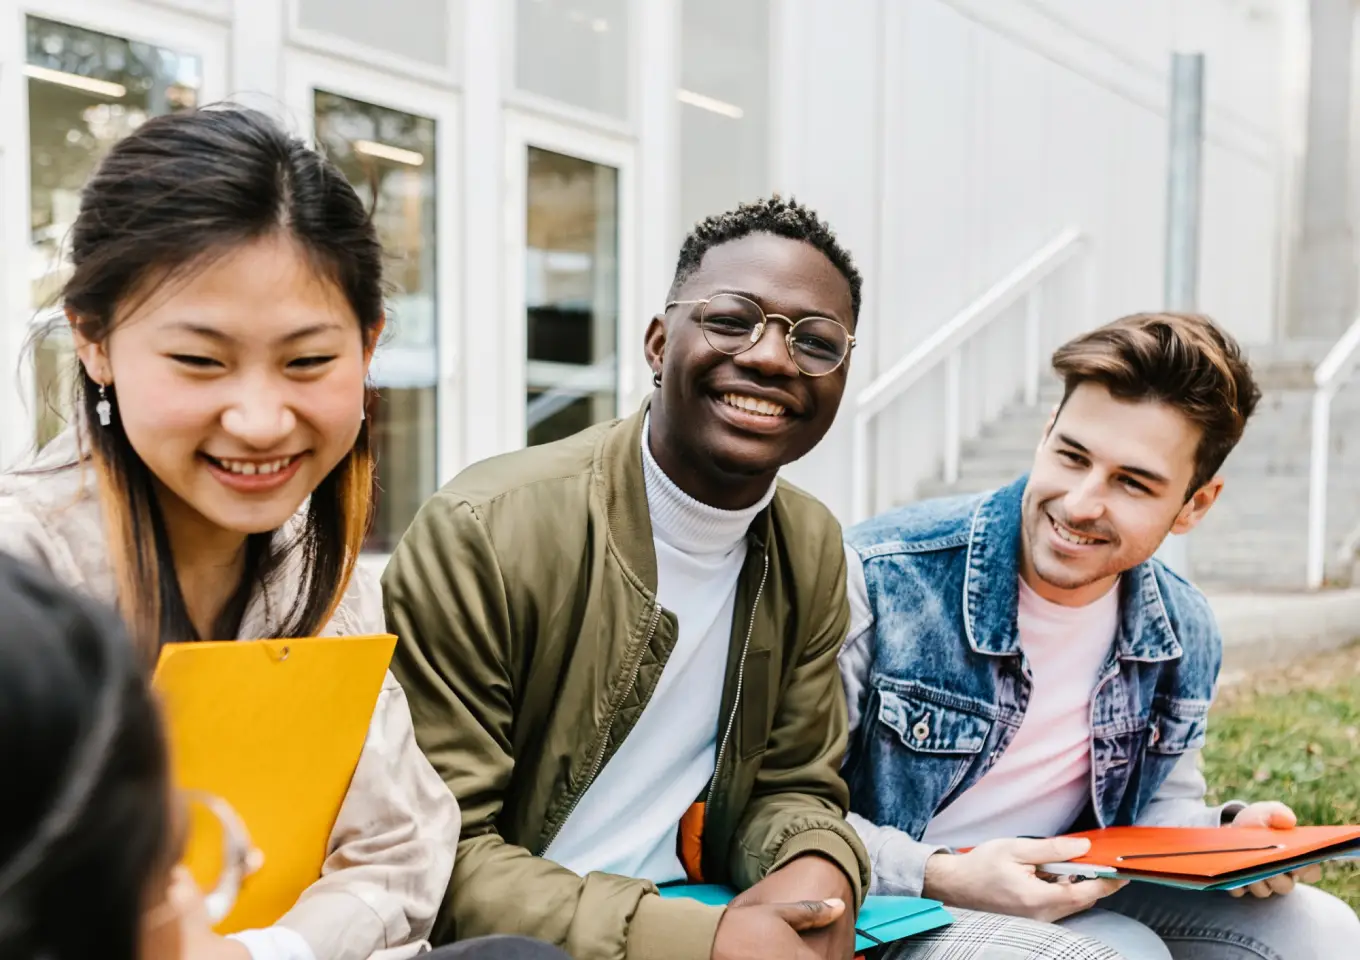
x: 921, y: 731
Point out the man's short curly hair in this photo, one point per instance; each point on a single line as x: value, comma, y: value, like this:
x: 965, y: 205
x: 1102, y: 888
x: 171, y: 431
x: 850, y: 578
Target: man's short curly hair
x: 783, y: 218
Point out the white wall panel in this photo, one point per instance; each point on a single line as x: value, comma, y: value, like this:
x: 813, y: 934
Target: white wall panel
x: 1004, y: 123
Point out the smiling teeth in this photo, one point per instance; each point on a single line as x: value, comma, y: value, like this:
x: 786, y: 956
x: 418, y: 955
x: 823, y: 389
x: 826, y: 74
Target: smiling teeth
x: 1070, y: 537
x: 752, y: 405
x: 249, y: 468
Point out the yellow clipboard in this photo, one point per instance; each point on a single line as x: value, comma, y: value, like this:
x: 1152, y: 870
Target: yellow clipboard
x: 275, y: 728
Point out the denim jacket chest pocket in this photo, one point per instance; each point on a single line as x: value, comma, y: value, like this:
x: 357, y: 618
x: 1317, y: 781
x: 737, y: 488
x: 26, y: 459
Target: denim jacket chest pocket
x: 929, y: 741
x: 1176, y: 726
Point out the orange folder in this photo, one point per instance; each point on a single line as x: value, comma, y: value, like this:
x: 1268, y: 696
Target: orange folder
x: 274, y: 728
x: 1211, y: 858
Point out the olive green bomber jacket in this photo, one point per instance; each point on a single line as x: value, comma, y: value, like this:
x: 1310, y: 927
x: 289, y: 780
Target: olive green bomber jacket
x: 524, y: 597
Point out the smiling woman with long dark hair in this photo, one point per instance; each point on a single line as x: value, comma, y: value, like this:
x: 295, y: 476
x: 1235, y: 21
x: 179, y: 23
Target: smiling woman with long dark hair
x: 225, y: 297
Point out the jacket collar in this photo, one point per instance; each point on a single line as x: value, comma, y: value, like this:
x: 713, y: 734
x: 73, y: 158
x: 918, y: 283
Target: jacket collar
x: 618, y: 468
x: 991, y: 589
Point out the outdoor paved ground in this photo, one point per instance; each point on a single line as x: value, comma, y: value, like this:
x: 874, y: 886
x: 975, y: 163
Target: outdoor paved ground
x: 1262, y: 630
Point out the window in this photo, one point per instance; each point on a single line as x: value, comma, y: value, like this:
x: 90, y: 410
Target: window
x: 574, y: 51
x: 724, y: 113
x: 571, y: 294
x: 86, y: 90
x: 390, y: 155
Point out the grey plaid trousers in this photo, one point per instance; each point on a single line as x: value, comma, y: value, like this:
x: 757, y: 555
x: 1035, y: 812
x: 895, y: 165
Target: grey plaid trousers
x: 990, y: 936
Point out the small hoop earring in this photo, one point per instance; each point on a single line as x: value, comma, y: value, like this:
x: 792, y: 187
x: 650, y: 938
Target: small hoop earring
x: 104, y: 409
x: 656, y: 379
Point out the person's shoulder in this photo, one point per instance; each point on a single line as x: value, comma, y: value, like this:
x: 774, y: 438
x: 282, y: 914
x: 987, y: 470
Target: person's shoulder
x: 525, y: 473
x: 50, y: 516
x: 1187, y: 608
x: 924, y: 526
x: 360, y: 611
x: 22, y: 531
x: 798, y: 503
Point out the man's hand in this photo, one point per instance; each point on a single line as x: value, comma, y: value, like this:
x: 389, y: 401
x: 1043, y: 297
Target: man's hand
x: 811, y: 877
x: 1000, y: 876
x: 757, y: 930
x: 1276, y: 816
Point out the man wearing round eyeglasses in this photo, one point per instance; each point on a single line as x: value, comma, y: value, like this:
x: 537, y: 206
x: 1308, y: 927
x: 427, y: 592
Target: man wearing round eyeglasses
x: 757, y: 388
x: 620, y: 649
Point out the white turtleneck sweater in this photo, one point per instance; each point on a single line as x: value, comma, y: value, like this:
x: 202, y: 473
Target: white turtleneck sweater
x: 627, y: 821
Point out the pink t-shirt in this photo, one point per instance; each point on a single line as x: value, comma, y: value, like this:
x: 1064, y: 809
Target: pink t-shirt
x: 1042, y: 783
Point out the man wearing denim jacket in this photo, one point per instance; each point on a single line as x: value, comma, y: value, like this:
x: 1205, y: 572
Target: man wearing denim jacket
x: 1019, y: 666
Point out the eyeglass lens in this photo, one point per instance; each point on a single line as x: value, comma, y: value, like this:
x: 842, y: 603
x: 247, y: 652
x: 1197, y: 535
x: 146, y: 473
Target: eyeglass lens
x: 818, y: 345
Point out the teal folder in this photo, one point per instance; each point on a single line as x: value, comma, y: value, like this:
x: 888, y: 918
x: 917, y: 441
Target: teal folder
x: 881, y: 920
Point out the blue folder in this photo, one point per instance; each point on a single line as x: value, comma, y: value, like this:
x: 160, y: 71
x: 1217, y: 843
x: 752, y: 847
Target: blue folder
x: 881, y: 920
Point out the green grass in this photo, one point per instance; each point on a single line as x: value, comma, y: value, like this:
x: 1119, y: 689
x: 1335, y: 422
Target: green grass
x: 1295, y: 737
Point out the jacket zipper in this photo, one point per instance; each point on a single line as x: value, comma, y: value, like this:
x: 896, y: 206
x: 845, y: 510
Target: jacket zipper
x: 741, y: 677
x: 613, y: 715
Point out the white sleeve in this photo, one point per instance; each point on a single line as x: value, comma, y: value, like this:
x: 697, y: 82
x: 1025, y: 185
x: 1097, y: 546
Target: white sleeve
x: 857, y: 653
x: 1179, y: 801
x: 898, y: 863
x: 274, y: 943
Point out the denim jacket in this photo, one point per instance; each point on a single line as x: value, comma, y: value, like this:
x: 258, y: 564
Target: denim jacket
x: 937, y: 681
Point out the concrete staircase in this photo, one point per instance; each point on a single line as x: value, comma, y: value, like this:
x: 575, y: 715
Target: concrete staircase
x: 1255, y: 538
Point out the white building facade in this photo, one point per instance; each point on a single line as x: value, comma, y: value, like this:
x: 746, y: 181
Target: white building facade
x: 537, y: 162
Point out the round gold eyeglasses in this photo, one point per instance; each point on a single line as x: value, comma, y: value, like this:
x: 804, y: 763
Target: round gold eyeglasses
x: 733, y: 324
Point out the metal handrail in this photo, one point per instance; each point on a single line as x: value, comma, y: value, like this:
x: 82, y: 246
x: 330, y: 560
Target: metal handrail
x: 1329, y: 377
x: 943, y: 346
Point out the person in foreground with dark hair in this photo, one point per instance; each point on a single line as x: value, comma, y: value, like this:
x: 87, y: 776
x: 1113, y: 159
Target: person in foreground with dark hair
x: 89, y: 825
x: 85, y: 818
x: 597, y: 633
x: 1020, y: 665
x: 225, y: 299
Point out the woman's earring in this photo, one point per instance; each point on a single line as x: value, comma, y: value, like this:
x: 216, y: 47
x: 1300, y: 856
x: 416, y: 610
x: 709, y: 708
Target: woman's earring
x: 104, y: 408
x: 656, y: 379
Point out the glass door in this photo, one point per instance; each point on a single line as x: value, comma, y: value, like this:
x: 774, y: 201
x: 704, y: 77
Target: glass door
x: 388, y: 156
x: 570, y: 278
x: 396, y: 142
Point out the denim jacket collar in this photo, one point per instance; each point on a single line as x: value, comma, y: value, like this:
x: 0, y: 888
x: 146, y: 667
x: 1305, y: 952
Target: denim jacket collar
x: 991, y: 589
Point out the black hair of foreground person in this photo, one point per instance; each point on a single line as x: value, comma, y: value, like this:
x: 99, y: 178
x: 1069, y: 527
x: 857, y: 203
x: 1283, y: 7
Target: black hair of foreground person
x: 84, y: 813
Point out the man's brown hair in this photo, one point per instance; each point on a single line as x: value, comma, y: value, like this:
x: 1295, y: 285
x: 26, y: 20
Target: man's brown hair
x: 1184, y: 360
